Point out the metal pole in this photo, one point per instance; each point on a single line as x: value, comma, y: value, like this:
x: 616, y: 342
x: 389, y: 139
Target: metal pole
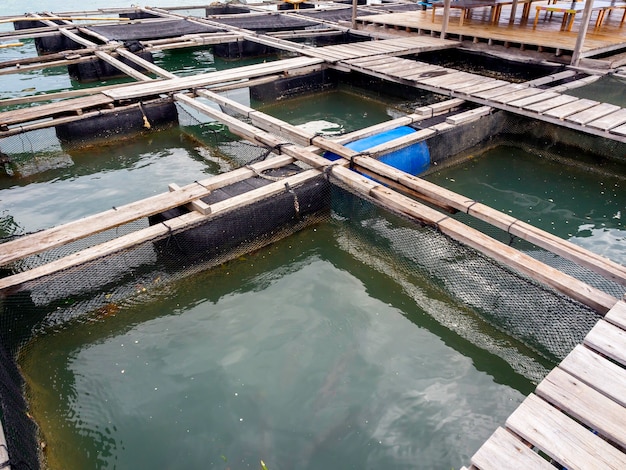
x: 580, y: 39
x: 446, y: 18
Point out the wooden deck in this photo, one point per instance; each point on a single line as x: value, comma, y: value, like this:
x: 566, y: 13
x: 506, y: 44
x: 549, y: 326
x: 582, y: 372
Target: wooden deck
x: 584, y: 115
x: 577, y: 415
x: 478, y: 27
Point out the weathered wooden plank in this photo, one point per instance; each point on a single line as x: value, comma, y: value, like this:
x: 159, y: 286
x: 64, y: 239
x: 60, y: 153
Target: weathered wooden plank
x: 609, y: 121
x: 598, y: 372
x: 503, y: 450
x: 608, y: 340
x: 561, y: 112
x: 562, y: 438
x: 122, y: 67
x: 592, y: 114
x: 545, y: 105
x: 620, y: 130
x: 447, y: 81
x: 500, y: 91
x: 469, y: 116
x: 250, y: 71
x: 596, y: 263
x: 617, y: 315
x: 145, y: 64
x: 483, y: 87
x: 544, y: 96
x: 17, y: 116
x: 57, y: 236
x: 152, y: 232
x: 517, y: 95
x: 401, y: 142
x: 586, y: 405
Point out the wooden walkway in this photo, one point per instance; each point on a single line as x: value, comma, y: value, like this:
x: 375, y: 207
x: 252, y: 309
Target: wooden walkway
x: 479, y: 28
x: 587, y: 116
x: 577, y: 415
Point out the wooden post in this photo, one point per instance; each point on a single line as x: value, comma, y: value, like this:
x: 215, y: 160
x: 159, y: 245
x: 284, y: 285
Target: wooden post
x: 354, y: 5
x: 580, y: 40
x: 446, y: 18
x: 513, y: 12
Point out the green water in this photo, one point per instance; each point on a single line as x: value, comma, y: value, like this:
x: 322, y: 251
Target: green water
x: 564, y: 196
x: 300, y: 355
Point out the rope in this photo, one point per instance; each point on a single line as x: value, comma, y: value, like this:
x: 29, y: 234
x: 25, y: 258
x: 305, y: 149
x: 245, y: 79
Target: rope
x: 296, y: 203
x: 263, y: 175
x: 172, y: 236
x: 146, y: 123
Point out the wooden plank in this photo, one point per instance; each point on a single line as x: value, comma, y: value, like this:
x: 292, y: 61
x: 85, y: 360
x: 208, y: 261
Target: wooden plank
x: 585, y: 404
x: 544, y: 96
x: 63, y: 234
x: 141, y: 236
x: 593, y: 113
x: 562, y: 438
x: 518, y: 95
x: 444, y: 197
x: 18, y: 116
x: 483, y: 87
x: 469, y: 116
x: 503, y: 450
x: 211, y: 78
x: 598, y: 372
x: 617, y: 315
x: 447, y: 81
x: 609, y: 340
x: 561, y: 112
x: 401, y: 142
x: 145, y: 64
x: 620, y: 130
x: 122, y: 67
x: 610, y: 120
x: 500, y: 91
x: 545, y: 105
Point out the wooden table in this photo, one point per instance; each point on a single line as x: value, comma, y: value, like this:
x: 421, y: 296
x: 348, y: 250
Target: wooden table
x: 569, y: 11
x: 466, y: 7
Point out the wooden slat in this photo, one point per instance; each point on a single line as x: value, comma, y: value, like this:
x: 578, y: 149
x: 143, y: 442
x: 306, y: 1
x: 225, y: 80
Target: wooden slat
x: 544, y: 96
x: 608, y: 340
x: 500, y: 91
x: 584, y: 404
x: 562, y: 438
x: 250, y: 71
x: 483, y: 87
x: 51, y: 109
x: 543, y: 106
x: 505, y: 451
x: 469, y: 116
x: 518, y: 95
x: 561, y: 112
x: 598, y: 372
x: 592, y: 114
x: 57, y: 236
x: 617, y: 315
x: 610, y: 120
x: 620, y: 130
x: 157, y: 230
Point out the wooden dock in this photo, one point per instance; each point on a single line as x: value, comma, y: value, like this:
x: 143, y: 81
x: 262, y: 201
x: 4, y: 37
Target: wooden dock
x: 586, y: 116
x: 577, y: 415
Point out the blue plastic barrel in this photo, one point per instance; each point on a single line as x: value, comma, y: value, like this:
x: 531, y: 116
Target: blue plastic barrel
x: 413, y: 159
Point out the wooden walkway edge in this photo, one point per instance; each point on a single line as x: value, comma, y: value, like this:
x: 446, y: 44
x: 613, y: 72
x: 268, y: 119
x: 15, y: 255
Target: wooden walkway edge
x: 576, y: 417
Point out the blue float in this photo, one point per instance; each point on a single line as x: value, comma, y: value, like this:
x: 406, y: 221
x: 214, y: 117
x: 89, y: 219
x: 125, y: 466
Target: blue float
x: 413, y: 159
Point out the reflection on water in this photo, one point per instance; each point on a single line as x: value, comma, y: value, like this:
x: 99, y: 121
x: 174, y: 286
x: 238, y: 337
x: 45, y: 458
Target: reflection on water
x: 299, y: 355
x: 566, y: 197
